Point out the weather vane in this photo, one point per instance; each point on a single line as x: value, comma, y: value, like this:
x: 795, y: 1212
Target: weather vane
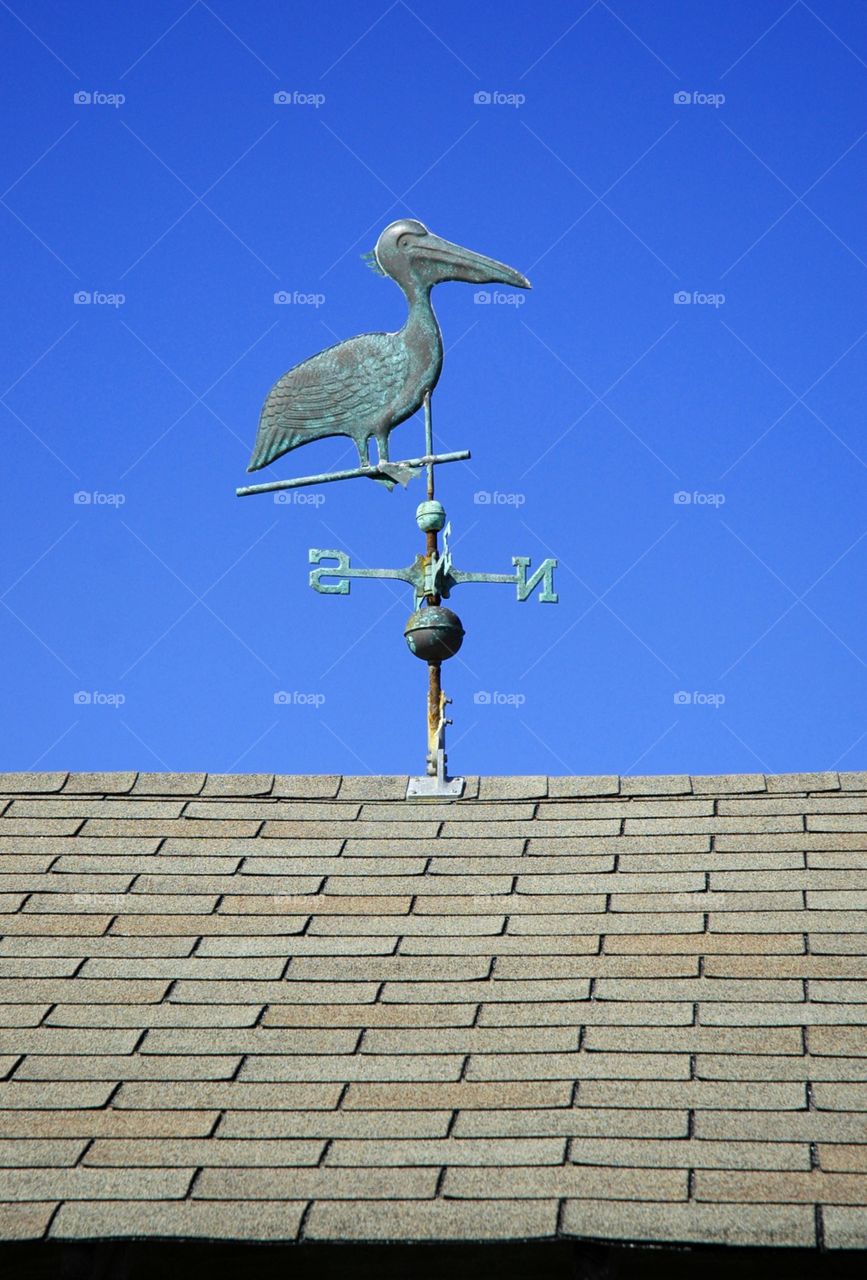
x: 364, y: 388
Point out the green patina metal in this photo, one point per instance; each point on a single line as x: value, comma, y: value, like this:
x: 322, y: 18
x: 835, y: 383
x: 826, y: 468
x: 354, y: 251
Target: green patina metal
x: 363, y: 388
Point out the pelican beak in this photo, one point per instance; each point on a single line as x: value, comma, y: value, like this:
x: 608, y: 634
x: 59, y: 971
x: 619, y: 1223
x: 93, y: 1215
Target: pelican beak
x: 452, y: 262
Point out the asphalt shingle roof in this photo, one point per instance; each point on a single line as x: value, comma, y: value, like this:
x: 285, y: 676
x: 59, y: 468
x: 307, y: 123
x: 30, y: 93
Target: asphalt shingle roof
x: 306, y: 1008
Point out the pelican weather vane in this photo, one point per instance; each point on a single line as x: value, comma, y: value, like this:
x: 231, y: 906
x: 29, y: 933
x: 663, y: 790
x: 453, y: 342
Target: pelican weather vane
x: 363, y: 388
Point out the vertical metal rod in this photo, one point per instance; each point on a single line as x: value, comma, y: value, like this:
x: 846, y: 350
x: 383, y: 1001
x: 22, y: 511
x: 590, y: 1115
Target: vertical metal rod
x: 435, y: 732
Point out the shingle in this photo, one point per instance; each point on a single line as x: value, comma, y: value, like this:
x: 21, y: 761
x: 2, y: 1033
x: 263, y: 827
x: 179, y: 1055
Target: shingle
x: 293, y: 786
x: 838, y: 1040
x: 584, y: 1181
x: 524, y: 1093
x: 207, y: 1095
x: 99, y: 783
x: 120, y: 903
x: 726, y: 783
x: 694, y: 1039
x: 108, y: 1123
x: 131, y: 1066
x: 335, y: 1124
x: 154, y: 1015
x: 82, y: 1183
x: 373, y: 788
x: 842, y: 1157
x: 692, y: 1223
x: 603, y: 785
x: 314, y: 904
x: 61, y: 1040
x: 432, y: 1220
x: 803, y: 782
x: 515, y: 904
x: 25, y: 1221
x: 483, y: 992
x: 82, y: 991
x: 692, y: 1154
x: 167, y: 1153
x: 482, y: 1040
x: 250, y: 1220
x: 799, y: 1125
x: 248, y: 1040
x: 512, y: 788
x: 706, y: 944
x: 643, y: 785
x: 768, y: 1187
x: 83, y: 807
x: 336, y: 815
x: 775, y: 1014
x: 389, y: 968
x: 169, y: 784
x: 412, y: 1067
x: 29, y: 783
x: 746, y: 1066
x: 217, y: 924
x: 426, y: 811
x: 748, y: 1095
x: 704, y: 989
x: 353, y: 1153
x: 498, y: 944
x: 238, y: 784
x: 316, y: 1184
x: 577, y: 1013
x: 22, y: 945
x: 840, y: 1097
x: 22, y: 1015
x: 845, y: 1228
x: 573, y: 1122
x: 366, y: 1015
x: 853, y: 781
x: 214, y: 991
x: 37, y: 1153
x: 578, y: 1066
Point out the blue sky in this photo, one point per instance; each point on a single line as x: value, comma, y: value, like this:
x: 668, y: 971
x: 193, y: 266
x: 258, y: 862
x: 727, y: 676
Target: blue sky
x: 683, y: 184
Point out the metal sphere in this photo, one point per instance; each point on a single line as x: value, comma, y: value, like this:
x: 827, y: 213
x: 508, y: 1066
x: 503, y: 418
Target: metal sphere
x: 430, y: 516
x: 434, y: 633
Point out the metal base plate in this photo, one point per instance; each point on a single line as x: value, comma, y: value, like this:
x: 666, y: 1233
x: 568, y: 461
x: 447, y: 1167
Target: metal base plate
x: 451, y: 788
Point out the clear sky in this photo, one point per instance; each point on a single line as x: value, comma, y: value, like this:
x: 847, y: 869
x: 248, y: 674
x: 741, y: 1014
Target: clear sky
x: 676, y: 411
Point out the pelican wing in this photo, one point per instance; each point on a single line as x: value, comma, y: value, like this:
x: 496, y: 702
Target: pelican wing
x: 345, y: 390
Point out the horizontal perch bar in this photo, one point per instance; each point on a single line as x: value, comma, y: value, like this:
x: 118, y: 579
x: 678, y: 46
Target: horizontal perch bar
x: 374, y: 470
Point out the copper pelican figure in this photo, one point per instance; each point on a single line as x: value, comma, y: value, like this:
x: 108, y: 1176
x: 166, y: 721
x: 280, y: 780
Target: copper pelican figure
x: 366, y: 386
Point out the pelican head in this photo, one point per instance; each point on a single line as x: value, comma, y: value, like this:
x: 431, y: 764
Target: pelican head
x: 415, y: 257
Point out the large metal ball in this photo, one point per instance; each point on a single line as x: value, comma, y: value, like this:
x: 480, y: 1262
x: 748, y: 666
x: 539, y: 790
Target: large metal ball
x: 434, y: 634
x: 430, y: 516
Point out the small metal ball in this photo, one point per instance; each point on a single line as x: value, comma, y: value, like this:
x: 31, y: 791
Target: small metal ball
x: 434, y: 633
x: 430, y: 516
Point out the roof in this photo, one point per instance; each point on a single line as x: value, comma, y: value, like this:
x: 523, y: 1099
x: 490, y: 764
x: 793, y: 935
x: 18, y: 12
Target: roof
x: 299, y: 1008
